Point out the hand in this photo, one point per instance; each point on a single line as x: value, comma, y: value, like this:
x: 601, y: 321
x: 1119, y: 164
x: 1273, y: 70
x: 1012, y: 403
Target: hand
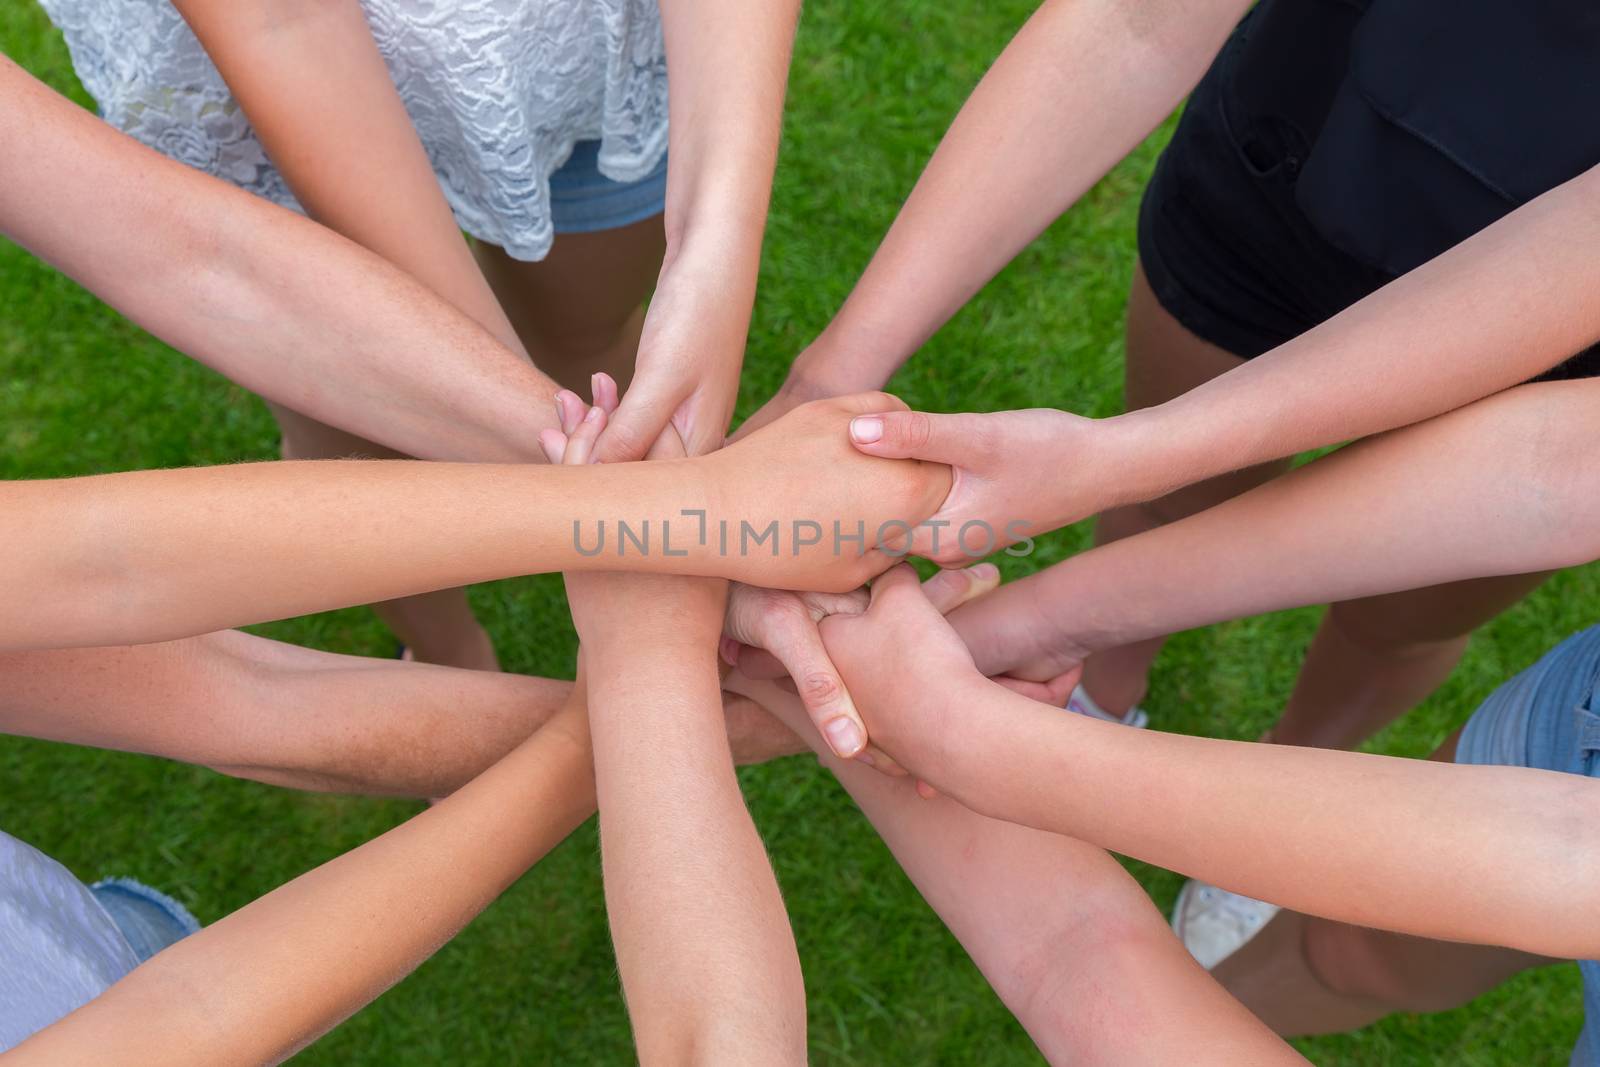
x: 800, y: 478
x: 1015, y: 641
x: 1016, y: 473
x: 686, y: 379
x: 612, y: 607
x: 904, y: 662
x: 785, y: 623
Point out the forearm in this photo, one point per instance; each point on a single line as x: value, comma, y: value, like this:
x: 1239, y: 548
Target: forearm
x: 1372, y: 840
x: 1503, y: 486
x: 359, y: 166
x: 270, y: 978
x: 707, y: 959
x: 728, y: 62
x: 279, y: 713
x: 279, y: 304
x: 1503, y: 306
x: 1077, y: 89
x: 1053, y: 923
x: 156, y: 555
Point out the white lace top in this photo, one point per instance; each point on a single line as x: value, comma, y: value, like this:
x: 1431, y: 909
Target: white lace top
x: 499, y: 90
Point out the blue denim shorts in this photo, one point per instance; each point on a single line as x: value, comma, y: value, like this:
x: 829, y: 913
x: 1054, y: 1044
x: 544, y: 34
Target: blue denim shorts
x: 1548, y: 717
x: 582, y: 200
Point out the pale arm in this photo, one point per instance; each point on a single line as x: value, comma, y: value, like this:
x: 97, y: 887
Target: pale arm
x: 1503, y: 306
x: 728, y: 64
x: 309, y: 77
x: 279, y: 304
x: 1491, y: 855
x: 707, y: 959
x: 269, y: 979
x: 1052, y: 923
x: 156, y: 555
x: 1076, y: 90
x: 1508, y: 485
x: 1464, y: 853
x: 278, y: 713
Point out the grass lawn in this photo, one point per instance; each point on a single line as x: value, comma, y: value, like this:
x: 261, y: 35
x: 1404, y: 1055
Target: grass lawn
x: 533, y: 981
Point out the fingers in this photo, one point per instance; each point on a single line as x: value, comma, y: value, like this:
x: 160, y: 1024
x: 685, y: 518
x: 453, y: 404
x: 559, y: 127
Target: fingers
x: 949, y: 589
x: 570, y: 410
x: 893, y: 582
x: 669, y: 445
x: 603, y: 388
x: 581, y: 442
x: 554, y: 445
x: 916, y: 435
x: 798, y: 645
x: 639, y: 420
x: 1055, y: 691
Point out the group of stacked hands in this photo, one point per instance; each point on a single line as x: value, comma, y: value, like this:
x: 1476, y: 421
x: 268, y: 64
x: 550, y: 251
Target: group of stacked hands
x: 775, y: 617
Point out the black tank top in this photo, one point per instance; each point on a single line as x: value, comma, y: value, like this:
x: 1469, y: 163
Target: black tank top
x: 1416, y: 123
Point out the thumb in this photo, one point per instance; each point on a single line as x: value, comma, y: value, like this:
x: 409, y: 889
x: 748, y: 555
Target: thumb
x: 636, y: 425
x: 799, y: 647
x: 915, y: 435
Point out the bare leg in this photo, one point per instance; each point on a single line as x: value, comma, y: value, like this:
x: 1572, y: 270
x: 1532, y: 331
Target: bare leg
x: 1373, y: 660
x: 1308, y: 975
x: 581, y: 308
x: 1164, y: 361
x: 436, y: 627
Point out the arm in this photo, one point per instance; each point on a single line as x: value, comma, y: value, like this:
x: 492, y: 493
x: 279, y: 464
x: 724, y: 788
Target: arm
x: 1365, y: 839
x: 1443, y: 335
x: 728, y: 64
x: 707, y: 959
x: 1507, y: 485
x: 1052, y: 923
x: 155, y: 555
x: 1078, y: 88
x: 279, y: 713
x: 309, y: 77
x: 284, y: 307
x: 267, y: 980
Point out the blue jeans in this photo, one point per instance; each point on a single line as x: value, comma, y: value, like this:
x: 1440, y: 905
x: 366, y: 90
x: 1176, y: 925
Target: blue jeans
x: 1548, y: 717
x: 148, y: 918
x: 582, y: 200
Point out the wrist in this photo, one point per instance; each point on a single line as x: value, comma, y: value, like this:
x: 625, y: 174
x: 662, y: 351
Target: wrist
x: 830, y: 366
x: 952, y: 758
x: 1150, y: 452
x: 821, y: 371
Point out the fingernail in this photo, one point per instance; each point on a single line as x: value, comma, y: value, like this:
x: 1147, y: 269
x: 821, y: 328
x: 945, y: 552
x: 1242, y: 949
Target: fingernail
x: 866, y: 429
x: 866, y: 757
x: 730, y: 651
x: 844, y: 736
x: 594, y: 385
x: 985, y: 572
x: 593, y: 416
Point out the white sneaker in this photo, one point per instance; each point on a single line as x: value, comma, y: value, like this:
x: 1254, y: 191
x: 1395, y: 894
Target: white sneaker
x: 1213, y: 923
x: 1081, y: 703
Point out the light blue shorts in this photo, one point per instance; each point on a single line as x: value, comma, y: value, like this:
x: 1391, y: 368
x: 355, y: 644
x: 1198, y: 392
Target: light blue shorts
x: 1548, y: 717
x: 582, y: 200
x: 148, y: 918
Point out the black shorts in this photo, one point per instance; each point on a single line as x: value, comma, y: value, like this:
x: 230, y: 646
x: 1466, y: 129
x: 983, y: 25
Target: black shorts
x: 1227, y: 248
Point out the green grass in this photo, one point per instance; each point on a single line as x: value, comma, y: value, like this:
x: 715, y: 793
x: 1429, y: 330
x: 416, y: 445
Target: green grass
x: 533, y: 981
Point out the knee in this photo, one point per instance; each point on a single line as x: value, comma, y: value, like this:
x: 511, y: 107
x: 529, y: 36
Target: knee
x: 1358, y: 963
x: 1382, y: 625
x: 584, y: 340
